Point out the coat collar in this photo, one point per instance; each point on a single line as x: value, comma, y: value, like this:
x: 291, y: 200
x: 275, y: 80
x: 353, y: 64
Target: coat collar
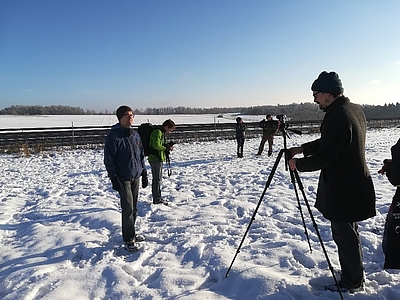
x: 338, y: 102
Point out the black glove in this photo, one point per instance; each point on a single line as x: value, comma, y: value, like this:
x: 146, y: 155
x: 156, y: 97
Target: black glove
x: 145, y: 179
x: 116, y: 184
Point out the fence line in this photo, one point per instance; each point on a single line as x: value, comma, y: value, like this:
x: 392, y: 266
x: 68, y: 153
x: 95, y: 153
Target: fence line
x: 44, y: 138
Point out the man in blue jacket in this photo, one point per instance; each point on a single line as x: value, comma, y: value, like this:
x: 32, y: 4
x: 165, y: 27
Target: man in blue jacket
x: 345, y: 193
x: 124, y: 161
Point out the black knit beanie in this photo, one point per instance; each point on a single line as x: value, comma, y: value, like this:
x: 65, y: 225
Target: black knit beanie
x: 122, y: 110
x: 328, y: 83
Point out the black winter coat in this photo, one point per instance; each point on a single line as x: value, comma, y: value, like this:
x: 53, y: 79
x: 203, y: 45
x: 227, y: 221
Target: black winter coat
x: 345, y: 189
x: 391, y: 236
x: 393, y: 170
x: 240, y: 129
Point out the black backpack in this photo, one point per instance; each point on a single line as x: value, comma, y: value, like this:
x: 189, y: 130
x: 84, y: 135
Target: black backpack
x: 144, y: 131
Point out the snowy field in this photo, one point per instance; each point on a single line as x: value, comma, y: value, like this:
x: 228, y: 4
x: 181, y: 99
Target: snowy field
x: 9, y: 121
x: 60, y: 224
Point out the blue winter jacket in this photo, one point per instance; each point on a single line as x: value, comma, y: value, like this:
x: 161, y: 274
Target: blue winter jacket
x: 123, y: 153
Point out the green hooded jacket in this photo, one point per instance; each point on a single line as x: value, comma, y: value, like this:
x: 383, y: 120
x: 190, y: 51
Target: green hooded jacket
x: 157, y: 143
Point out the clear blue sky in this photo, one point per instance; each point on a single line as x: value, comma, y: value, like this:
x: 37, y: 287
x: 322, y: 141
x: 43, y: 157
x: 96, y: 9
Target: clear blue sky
x: 98, y: 54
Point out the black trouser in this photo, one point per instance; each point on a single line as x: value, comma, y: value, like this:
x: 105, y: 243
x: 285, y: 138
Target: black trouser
x: 240, y: 143
x: 348, y: 242
x: 129, y: 199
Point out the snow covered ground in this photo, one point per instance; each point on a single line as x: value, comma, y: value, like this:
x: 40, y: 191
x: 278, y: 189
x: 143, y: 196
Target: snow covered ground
x: 10, y: 121
x: 60, y: 229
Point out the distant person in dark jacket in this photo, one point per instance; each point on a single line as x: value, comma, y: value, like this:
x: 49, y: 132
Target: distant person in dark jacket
x: 391, y: 235
x: 345, y: 190
x: 269, y: 128
x: 125, y: 164
x: 240, y: 135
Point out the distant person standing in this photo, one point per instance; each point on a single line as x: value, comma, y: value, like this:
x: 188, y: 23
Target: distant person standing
x: 269, y: 128
x: 159, y: 150
x: 240, y: 135
x: 345, y: 193
x: 125, y: 164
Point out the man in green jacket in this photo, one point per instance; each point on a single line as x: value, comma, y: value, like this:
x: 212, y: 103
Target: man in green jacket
x: 345, y: 190
x: 159, y: 149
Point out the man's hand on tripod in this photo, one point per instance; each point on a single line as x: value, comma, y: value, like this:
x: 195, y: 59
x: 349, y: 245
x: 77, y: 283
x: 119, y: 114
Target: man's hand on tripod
x: 292, y: 164
x: 293, y: 151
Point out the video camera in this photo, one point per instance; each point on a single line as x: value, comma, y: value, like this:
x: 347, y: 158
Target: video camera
x: 285, y: 125
x: 281, y: 118
x: 169, y: 145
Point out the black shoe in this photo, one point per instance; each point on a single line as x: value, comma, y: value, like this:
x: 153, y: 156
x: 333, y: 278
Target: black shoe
x: 269, y: 153
x: 162, y: 201
x: 334, y: 288
x: 131, y: 247
x: 139, y: 238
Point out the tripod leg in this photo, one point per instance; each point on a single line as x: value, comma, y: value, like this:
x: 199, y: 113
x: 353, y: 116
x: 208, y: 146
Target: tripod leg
x: 257, y: 207
x: 301, y: 187
x: 293, y: 179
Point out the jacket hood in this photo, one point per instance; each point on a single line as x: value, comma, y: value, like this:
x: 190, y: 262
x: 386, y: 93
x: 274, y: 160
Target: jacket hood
x: 116, y: 126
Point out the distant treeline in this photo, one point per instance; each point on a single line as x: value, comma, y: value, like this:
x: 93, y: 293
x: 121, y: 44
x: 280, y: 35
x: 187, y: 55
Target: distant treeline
x: 294, y: 111
x: 45, y: 110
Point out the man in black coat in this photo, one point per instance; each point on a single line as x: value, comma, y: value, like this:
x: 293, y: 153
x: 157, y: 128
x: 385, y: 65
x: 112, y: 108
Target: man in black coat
x: 345, y: 190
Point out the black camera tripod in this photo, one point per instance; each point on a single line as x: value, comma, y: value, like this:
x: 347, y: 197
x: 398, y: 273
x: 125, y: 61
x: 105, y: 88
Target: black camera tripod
x: 295, y: 178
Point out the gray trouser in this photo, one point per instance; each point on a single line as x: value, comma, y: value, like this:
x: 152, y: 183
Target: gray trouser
x: 348, y: 242
x: 156, y: 173
x: 265, y: 138
x: 129, y: 199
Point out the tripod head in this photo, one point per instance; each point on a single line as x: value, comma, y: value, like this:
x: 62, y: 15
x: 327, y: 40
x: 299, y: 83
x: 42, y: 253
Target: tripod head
x: 284, y: 127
